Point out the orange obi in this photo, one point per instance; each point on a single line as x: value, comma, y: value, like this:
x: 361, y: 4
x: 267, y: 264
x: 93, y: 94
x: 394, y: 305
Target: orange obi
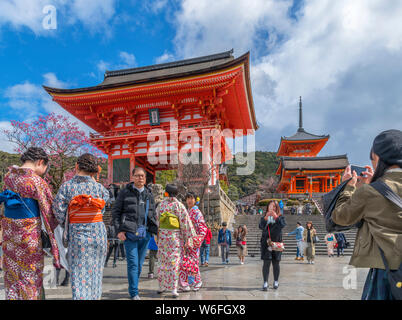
x: 85, y: 209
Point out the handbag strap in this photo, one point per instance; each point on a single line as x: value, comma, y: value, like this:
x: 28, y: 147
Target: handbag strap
x: 146, y: 211
x: 269, y: 233
x: 387, y: 192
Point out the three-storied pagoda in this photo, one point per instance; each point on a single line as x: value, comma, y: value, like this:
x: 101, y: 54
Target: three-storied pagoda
x: 300, y: 170
x: 201, y: 93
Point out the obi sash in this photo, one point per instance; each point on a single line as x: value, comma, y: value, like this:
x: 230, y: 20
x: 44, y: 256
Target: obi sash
x: 85, y: 209
x: 17, y: 207
x: 168, y: 220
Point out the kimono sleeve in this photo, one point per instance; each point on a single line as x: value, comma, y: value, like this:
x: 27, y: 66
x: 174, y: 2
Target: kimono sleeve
x: 202, y: 230
x: 60, y: 205
x: 44, y: 197
x: 186, y: 226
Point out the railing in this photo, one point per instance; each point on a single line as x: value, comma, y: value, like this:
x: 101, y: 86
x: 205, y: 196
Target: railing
x: 143, y: 131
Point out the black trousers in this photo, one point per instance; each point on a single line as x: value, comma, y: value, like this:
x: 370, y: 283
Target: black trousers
x: 267, y: 266
x: 113, y: 245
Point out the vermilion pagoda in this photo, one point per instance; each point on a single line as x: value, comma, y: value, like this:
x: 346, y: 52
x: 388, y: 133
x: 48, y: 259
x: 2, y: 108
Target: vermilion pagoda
x: 202, y: 93
x: 300, y: 170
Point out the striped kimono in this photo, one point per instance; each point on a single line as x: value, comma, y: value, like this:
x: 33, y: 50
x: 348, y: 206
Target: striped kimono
x: 23, y: 257
x: 189, y: 268
x: 87, y: 237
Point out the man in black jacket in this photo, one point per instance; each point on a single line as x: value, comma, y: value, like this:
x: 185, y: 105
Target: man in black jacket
x: 129, y: 214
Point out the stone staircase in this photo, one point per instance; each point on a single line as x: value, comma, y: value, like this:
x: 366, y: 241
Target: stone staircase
x: 254, y: 234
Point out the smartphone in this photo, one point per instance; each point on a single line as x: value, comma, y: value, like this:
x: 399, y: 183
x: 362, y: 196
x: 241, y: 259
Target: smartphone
x: 359, y: 170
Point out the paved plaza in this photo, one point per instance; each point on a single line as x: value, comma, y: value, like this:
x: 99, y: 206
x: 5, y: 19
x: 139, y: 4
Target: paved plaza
x: 327, y: 279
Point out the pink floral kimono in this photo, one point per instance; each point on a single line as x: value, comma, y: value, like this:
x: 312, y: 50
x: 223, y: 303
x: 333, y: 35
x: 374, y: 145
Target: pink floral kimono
x: 23, y: 257
x: 171, y: 243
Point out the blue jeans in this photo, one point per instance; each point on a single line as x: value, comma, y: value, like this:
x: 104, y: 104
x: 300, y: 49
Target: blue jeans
x: 135, y: 255
x: 299, y: 252
x: 204, y: 250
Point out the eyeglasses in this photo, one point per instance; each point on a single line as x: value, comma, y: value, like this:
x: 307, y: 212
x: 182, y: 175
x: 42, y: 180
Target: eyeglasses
x: 139, y: 176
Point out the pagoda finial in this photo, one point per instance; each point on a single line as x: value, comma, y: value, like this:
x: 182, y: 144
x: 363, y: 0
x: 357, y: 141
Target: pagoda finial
x: 300, y: 115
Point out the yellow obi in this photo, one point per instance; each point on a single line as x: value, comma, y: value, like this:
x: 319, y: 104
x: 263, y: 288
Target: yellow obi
x: 168, y: 220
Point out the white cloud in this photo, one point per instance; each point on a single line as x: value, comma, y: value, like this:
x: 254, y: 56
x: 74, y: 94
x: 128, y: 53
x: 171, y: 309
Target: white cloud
x: 342, y: 56
x: 93, y: 14
x: 31, y: 100
x: 128, y: 60
x: 165, y: 57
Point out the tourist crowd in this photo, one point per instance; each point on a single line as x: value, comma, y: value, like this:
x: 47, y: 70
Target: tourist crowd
x: 70, y: 227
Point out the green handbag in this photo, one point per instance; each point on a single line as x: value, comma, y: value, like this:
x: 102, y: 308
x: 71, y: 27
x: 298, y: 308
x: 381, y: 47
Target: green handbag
x: 168, y: 220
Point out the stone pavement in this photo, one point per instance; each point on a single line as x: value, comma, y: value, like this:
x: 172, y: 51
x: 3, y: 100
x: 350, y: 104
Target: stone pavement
x: 324, y: 280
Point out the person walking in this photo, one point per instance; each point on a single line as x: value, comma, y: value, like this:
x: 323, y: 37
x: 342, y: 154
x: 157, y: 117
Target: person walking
x: 28, y: 204
x: 379, y: 239
x: 153, y: 252
x: 341, y: 241
x: 299, y: 210
x: 79, y: 207
x: 271, y: 225
x: 135, y: 220
x: 309, y: 239
x: 298, y: 232
x: 330, y: 241
x: 241, y: 242
x: 176, y: 233
x: 190, y: 276
x: 225, y: 241
x: 205, y: 247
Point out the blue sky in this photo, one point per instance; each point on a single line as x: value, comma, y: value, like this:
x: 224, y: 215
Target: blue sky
x: 343, y: 57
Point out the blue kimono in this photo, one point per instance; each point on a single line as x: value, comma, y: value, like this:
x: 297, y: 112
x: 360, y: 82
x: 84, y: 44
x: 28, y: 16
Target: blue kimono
x: 87, y: 242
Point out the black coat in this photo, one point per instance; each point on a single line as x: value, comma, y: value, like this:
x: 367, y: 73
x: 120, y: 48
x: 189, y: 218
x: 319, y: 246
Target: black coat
x: 276, y: 236
x: 125, y: 211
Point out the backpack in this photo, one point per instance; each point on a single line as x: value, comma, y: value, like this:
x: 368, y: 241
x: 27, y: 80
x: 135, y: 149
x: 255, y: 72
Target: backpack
x: 394, y: 276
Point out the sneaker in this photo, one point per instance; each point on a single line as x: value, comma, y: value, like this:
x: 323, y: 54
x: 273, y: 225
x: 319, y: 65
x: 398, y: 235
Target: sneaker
x: 241, y: 262
x: 301, y: 259
x: 160, y: 291
x: 206, y: 264
x: 297, y: 258
x: 312, y: 262
x: 150, y: 275
x: 175, y: 294
x: 265, y: 286
x: 276, y: 285
x: 137, y: 297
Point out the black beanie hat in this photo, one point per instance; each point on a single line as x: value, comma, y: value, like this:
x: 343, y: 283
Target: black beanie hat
x: 388, y: 146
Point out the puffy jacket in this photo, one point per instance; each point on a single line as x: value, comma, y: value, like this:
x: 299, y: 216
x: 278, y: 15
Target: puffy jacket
x: 125, y: 211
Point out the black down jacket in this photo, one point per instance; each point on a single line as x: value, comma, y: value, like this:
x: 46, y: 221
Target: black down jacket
x: 126, y: 208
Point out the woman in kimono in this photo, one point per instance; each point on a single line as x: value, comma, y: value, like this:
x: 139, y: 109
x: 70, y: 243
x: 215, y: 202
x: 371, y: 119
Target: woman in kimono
x: 176, y: 232
x: 79, y: 206
x: 189, y: 269
x: 330, y: 241
x: 27, y: 199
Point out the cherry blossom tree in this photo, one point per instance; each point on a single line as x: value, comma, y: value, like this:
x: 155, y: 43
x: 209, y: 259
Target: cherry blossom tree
x: 60, y: 138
